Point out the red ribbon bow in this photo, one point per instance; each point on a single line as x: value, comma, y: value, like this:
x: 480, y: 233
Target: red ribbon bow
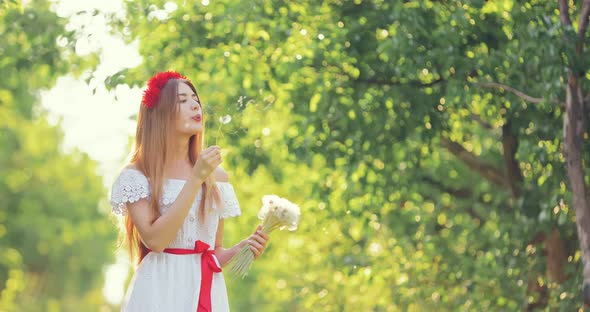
x: 208, y: 267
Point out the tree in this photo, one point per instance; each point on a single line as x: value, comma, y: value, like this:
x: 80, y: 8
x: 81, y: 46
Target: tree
x: 425, y: 135
x: 54, y: 239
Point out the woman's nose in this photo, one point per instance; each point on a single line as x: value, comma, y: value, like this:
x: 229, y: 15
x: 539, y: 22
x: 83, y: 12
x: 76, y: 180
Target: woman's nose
x: 195, y: 105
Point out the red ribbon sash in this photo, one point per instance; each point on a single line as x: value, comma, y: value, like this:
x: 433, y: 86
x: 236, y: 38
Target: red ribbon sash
x: 208, y: 267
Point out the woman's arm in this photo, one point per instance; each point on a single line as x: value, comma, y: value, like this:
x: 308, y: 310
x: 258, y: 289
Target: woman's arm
x: 222, y: 254
x: 158, y: 231
x: 257, y: 242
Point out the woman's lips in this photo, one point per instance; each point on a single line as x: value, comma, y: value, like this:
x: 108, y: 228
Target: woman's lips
x: 197, y: 118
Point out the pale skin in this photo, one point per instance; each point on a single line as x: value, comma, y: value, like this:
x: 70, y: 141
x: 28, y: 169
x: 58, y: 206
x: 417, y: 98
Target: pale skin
x: 157, y: 231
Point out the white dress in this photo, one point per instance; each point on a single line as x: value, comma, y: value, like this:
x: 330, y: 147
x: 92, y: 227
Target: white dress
x: 170, y: 282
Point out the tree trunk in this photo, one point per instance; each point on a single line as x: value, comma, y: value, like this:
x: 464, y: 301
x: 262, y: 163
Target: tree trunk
x: 510, y: 147
x: 556, y: 257
x: 573, y: 130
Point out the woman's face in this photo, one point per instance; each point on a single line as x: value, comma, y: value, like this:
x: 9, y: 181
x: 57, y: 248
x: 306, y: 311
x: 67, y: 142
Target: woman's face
x: 189, y: 119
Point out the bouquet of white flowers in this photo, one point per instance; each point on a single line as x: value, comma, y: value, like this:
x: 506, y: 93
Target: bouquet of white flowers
x: 276, y: 213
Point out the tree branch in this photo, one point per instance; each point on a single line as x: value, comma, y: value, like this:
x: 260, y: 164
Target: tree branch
x: 460, y: 192
x: 510, y: 147
x: 584, y: 14
x: 470, y: 211
x: 495, y: 85
x: 415, y: 83
x: 582, y: 27
x: 564, y: 14
x: 564, y: 17
x: 386, y: 82
x: 487, y: 171
x: 480, y: 121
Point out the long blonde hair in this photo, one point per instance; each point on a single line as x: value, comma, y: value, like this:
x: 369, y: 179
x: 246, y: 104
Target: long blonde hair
x: 155, y: 127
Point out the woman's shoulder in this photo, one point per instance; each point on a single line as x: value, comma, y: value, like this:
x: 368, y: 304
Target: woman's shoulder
x: 231, y: 205
x: 130, y: 166
x: 130, y: 186
x: 131, y: 173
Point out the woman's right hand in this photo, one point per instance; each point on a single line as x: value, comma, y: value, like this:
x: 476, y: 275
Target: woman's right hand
x: 209, y: 159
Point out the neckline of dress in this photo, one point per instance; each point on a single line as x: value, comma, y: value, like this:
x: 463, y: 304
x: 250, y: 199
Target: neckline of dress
x: 170, y: 179
x: 184, y: 180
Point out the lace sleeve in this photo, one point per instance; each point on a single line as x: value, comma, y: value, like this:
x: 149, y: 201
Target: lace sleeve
x: 231, y: 206
x: 130, y: 186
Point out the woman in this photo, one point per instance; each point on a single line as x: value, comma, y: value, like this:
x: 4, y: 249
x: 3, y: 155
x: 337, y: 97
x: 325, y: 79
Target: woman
x: 174, y: 197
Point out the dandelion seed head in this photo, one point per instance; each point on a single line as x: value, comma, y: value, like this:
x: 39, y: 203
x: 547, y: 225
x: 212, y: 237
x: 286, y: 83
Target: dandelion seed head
x: 225, y: 119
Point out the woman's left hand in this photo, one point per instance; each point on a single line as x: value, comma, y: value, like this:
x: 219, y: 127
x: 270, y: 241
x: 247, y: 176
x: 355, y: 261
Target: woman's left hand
x: 257, y: 242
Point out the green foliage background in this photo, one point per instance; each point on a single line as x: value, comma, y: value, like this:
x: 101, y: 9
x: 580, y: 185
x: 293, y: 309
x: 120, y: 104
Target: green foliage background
x: 382, y: 119
x: 55, y: 236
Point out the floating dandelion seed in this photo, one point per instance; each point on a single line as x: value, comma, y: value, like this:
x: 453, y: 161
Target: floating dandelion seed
x: 242, y: 103
x: 225, y: 119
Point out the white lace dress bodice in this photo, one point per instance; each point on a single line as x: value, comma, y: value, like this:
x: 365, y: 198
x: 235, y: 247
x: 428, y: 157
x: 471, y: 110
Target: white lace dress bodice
x: 169, y: 282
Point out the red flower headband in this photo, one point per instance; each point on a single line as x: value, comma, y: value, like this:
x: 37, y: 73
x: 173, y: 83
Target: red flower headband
x: 155, y: 84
